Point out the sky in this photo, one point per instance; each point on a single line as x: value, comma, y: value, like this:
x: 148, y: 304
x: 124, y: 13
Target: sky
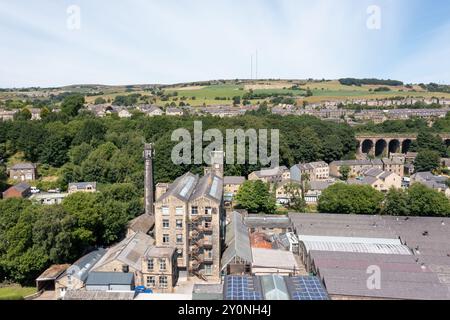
x: 51, y: 43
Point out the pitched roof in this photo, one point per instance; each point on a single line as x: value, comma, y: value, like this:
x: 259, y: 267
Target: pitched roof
x: 53, y: 272
x: 233, y: 180
x: 21, y: 187
x: 23, y: 166
x: 237, y: 241
x: 129, y: 251
x: 182, y: 187
x: 143, y: 223
x: 80, y: 268
x: 98, y: 295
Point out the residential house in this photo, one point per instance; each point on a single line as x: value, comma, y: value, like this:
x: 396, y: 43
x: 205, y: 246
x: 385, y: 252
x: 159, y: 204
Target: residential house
x: 317, y: 171
x: 231, y: 186
x: 315, y: 189
x: 35, y: 113
x: 23, y: 172
x: 174, y: 112
x: 394, y: 165
x: 438, y: 183
x: 151, y: 111
x: 21, y: 190
x: 160, y: 270
x: 274, y: 175
x: 283, y: 194
x: 378, y: 179
x: 7, y: 115
x: 124, y: 113
x: 82, y: 187
x: 357, y: 167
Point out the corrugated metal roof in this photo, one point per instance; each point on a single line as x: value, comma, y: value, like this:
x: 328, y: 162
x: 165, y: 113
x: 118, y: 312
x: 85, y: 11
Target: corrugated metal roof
x: 348, y: 244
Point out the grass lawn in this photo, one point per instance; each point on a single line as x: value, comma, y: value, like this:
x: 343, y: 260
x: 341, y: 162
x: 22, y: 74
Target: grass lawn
x: 15, y: 292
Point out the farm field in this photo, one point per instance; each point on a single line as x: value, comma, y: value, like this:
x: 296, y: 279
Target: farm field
x: 222, y: 93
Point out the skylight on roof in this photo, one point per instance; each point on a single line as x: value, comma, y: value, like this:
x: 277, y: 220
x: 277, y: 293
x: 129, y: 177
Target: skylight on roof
x: 187, y: 186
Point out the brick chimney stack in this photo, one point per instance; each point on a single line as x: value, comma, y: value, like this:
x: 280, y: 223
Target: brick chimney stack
x: 149, y: 186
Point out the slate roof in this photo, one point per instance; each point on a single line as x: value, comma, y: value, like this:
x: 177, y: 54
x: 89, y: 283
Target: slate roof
x: 129, y: 251
x: 233, y: 180
x: 23, y: 166
x: 143, y: 223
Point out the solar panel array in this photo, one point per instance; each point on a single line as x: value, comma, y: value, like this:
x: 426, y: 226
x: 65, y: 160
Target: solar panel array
x: 308, y: 288
x: 241, y: 288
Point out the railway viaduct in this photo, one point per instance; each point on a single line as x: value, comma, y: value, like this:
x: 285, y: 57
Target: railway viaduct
x: 385, y: 144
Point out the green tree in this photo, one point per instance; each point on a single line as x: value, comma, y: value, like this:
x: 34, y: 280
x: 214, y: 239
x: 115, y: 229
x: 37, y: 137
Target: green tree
x: 344, y: 171
x: 296, y: 197
x: 72, y: 104
x: 255, y: 196
x: 396, y: 203
x: 427, y: 160
x: 23, y: 115
x: 350, y: 199
x: 424, y: 201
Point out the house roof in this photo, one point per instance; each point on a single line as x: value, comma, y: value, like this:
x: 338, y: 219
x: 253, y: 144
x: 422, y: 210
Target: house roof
x: 233, y: 180
x: 109, y: 278
x: 82, y: 185
x: 23, y: 166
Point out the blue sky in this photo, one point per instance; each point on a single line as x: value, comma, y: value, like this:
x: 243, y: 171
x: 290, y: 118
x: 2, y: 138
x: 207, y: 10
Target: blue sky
x: 170, y: 41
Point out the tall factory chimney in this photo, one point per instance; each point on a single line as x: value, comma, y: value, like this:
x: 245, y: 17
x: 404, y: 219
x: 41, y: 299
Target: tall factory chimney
x: 149, y: 189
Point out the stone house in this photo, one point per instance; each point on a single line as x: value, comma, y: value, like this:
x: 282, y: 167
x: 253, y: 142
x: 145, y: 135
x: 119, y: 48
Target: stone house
x: 317, y: 171
x: 394, y: 165
x: 379, y: 180
x: 231, y: 185
x: 82, y: 187
x: 357, y: 167
x: 23, y: 172
x: 274, y: 175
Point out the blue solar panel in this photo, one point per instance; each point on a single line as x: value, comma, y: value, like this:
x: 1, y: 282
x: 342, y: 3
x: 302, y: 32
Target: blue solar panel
x: 308, y: 288
x: 241, y: 288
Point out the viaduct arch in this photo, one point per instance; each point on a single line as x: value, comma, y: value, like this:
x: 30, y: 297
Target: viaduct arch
x: 384, y: 145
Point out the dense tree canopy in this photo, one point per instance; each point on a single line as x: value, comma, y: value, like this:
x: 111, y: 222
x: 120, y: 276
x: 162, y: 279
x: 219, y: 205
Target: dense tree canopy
x: 350, y: 199
x: 32, y: 237
x: 255, y: 196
